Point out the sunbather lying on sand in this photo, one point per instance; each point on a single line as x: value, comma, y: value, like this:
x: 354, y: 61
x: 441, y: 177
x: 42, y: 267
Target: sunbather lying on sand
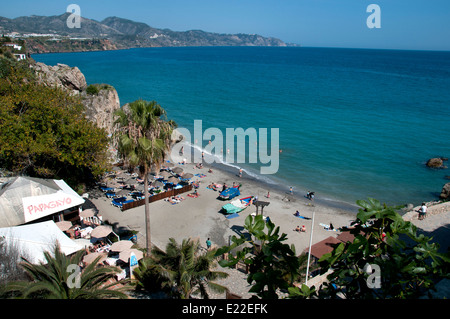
x: 214, y: 186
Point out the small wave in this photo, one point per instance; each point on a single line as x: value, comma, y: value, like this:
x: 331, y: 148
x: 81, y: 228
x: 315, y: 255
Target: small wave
x: 214, y: 158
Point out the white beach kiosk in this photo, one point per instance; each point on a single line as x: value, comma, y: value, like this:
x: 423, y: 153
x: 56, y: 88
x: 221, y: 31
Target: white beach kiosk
x: 29, y: 208
x: 28, y: 199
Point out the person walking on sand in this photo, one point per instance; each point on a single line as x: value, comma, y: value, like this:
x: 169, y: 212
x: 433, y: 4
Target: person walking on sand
x: 268, y: 194
x: 208, y: 244
x: 240, y: 172
x: 291, y: 190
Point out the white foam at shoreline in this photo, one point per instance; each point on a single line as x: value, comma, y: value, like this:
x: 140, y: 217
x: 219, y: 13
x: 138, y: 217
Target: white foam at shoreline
x: 282, y: 186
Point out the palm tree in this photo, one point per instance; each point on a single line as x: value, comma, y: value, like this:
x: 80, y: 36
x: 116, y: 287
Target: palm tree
x: 183, y: 270
x: 55, y: 279
x: 144, y: 136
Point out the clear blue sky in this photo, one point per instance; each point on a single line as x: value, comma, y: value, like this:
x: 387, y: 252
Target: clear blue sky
x: 405, y: 24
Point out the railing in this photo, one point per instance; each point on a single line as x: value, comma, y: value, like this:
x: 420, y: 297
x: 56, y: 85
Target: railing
x: 157, y: 197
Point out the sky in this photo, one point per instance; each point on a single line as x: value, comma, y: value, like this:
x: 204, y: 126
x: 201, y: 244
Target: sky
x: 404, y: 24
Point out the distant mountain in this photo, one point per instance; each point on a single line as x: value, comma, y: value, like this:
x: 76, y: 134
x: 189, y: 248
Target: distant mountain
x: 119, y: 33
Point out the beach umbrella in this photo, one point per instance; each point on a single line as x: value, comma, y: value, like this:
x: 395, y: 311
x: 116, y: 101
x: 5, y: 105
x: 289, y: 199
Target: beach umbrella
x: 101, y: 231
x: 188, y: 175
x: 177, y: 170
x: 173, y: 180
x: 125, y: 255
x: 87, y: 213
x: 89, y: 258
x: 121, y: 245
x: 165, y: 174
x: 157, y: 184
x: 64, y: 225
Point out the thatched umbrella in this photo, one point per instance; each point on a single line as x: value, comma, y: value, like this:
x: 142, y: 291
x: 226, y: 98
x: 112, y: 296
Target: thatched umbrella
x: 87, y: 213
x: 173, y: 180
x: 125, y: 255
x: 177, y: 170
x: 121, y: 245
x: 165, y: 174
x: 64, y: 225
x: 89, y: 258
x: 157, y: 184
x: 101, y: 231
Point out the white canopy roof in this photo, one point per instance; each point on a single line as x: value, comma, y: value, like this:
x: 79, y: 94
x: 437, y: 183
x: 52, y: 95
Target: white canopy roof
x: 34, y: 239
x: 24, y: 199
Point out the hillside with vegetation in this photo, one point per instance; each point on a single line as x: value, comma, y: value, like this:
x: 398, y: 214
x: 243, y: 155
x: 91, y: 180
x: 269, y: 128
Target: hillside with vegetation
x: 45, y: 132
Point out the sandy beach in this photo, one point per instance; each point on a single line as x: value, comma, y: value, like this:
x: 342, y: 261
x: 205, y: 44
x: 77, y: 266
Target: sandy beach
x: 201, y: 218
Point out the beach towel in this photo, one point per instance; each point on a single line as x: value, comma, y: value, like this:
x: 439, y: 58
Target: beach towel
x: 327, y: 227
x: 302, y: 217
x: 200, y: 175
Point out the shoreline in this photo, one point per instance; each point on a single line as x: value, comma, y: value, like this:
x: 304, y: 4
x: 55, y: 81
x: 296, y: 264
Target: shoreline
x: 201, y: 218
x: 267, y: 182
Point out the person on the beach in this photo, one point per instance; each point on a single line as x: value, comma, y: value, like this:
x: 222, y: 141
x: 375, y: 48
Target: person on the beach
x: 208, y: 243
x: 297, y: 213
x: 303, y: 229
x: 298, y: 229
x: 268, y: 194
x: 291, y: 190
x: 240, y: 172
x: 422, y: 211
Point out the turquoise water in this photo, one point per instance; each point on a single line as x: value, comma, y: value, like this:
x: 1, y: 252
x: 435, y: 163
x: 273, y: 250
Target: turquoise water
x: 353, y: 123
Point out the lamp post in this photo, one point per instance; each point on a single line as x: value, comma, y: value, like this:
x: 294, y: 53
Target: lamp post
x: 310, y: 243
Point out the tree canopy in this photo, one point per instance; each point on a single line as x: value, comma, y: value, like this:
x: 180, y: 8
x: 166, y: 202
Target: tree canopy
x: 44, y: 130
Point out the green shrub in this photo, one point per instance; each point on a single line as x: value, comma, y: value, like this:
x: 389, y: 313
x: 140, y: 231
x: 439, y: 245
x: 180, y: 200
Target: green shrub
x: 92, y: 90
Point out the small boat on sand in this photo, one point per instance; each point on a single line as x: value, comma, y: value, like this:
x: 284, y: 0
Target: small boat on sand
x: 237, y: 205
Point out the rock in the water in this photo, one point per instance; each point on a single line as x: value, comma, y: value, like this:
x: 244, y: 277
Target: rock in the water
x: 435, y: 162
x: 445, y: 193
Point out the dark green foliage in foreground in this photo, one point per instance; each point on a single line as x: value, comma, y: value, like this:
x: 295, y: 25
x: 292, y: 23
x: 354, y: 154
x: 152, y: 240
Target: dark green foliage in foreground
x: 272, y: 264
x: 409, y: 264
x: 57, y: 280
x: 44, y: 130
x: 180, y: 271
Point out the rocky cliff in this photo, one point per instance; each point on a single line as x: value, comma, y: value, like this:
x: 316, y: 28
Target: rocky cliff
x: 100, y: 106
x: 100, y: 103
x: 62, y: 76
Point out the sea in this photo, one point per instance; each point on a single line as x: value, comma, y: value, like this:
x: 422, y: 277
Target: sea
x: 352, y: 123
